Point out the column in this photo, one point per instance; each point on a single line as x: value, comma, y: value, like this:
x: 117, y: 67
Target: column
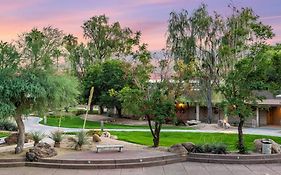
x: 197, y: 111
x: 258, y: 117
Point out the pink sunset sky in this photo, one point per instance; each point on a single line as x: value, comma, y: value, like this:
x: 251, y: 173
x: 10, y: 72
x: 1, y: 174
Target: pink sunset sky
x: 148, y: 16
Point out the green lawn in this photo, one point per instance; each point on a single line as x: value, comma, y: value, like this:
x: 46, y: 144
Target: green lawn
x: 170, y: 138
x: 3, y: 134
x: 77, y: 122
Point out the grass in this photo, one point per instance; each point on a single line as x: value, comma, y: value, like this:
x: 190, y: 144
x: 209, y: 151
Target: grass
x: 4, y: 134
x: 169, y: 138
x: 77, y: 122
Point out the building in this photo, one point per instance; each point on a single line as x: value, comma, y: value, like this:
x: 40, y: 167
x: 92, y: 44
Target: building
x: 267, y: 113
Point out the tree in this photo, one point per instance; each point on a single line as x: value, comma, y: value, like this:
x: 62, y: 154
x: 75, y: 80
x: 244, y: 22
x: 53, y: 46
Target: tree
x: 32, y: 84
x: 41, y: 48
x: 215, y: 43
x: 154, y: 101
x: 238, y: 91
x: 108, y: 40
x: 107, y: 77
x: 197, y: 38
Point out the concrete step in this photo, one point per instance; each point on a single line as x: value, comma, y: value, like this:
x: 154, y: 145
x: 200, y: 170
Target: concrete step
x: 11, y: 164
x: 109, y: 161
x: 104, y: 165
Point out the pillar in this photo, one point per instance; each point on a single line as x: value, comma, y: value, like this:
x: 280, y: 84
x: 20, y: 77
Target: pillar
x: 197, y: 111
x: 257, y: 117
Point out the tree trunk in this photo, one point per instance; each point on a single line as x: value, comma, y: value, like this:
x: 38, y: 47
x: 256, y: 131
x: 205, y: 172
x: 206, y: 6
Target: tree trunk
x: 21, y: 136
x: 119, y: 111
x: 156, y: 139
x: 209, y: 101
x: 91, y: 107
x: 241, y: 146
x: 101, y: 109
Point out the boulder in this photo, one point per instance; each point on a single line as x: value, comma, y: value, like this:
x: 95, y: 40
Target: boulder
x: 41, y: 150
x: 178, y: 149
x: 227, y: 125
x: 96, y: 138
x: 275, y: 147
x: 193, y: 122
x: 188, y: 146
x: 12, y: 139
x: 106, y: 134
x: 114, y: 137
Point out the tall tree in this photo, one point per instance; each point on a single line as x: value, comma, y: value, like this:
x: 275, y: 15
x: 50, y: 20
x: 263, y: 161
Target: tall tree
x: 214, y: 43
x: 238, y: 90
x: 32, y: 84
x: 154, y: 101
x: 107, y: 40
x: 197, y: 38
x: 108, y: 77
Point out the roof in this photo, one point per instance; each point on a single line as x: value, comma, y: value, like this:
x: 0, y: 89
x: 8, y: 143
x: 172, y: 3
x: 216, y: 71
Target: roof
x: 273, y: 102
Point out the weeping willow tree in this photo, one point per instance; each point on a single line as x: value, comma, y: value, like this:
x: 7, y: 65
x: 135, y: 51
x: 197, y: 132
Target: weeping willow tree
x: 215, y: 43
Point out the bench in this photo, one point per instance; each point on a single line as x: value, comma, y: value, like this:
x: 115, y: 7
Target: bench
x: 109, y: 147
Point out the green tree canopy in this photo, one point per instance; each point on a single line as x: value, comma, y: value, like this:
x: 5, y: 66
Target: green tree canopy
x: 31, y: 84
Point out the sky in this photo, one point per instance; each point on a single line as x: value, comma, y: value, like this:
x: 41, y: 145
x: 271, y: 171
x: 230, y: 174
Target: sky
x: 148, y: 16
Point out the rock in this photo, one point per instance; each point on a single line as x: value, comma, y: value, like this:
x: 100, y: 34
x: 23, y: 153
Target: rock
x: 96, y: 138
x: 258, y: 145
x: 193, y: 122
x: 114, y: 137
x: 178, y: 149
x: 227, y: 125
x: 12, y: 139
x: 188, y: 146
x: 106, y: 134
x: 41, y: 150
x: 223, y: 124
x: 275, y: 147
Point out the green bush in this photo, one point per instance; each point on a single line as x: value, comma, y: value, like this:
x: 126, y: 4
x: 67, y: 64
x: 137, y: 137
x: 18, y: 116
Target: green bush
x: 215, y: 148
x: 80, y: 112
x: 7, y: 125
x: 199, y: 148
x: 83, y: 111
x: 219, y: 148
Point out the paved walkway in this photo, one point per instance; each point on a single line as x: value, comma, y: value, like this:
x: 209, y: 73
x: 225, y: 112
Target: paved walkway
x: 185, y: 168
x: 32, y: 124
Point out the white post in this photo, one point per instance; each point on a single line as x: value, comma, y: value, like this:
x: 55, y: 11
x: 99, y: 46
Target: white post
x: 258, y: 117
x: 197, y: 111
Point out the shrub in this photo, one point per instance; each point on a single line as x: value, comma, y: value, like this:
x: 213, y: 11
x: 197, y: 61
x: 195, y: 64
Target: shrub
x: 36, y: 137
x: 79, y: 140
x: 219, y: 148
x: 80, y: 112
x: 57, y: 136
x: 8, y: 125
x: 208, y: 148
x: 83, y: 111
x: 199, y: 148
x: 216, y: 148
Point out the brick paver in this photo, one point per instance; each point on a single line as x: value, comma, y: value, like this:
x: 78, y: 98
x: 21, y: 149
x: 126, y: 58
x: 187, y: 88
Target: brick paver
x: 185, y: 168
